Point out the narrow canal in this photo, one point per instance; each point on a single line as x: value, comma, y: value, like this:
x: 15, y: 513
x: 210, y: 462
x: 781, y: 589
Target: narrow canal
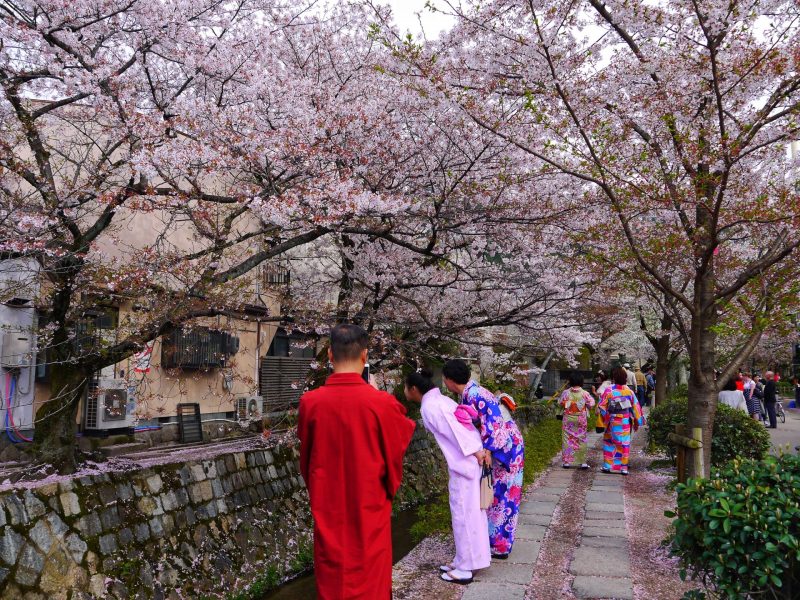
x: 304, y: 588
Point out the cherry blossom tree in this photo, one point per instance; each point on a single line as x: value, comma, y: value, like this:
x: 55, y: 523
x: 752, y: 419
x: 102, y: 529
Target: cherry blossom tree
x: 669, y: 124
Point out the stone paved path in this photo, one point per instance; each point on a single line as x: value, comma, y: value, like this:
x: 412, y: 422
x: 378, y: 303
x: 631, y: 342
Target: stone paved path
x: 599, y: 566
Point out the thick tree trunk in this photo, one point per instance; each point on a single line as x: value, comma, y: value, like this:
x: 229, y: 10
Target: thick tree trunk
x: 662, y: 368
x: 54, y: 439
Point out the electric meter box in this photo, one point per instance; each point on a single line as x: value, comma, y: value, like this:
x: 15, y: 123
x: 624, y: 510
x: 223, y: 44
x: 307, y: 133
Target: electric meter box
x: 16, y: 349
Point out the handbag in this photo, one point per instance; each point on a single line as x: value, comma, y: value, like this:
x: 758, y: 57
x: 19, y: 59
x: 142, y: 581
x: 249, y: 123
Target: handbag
x: 487, y: 488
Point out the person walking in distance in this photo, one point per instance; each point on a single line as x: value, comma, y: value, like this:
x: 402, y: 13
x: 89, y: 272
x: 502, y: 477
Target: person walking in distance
x: 770, y: 398
x: 352, y: 441
x: 502, y: 438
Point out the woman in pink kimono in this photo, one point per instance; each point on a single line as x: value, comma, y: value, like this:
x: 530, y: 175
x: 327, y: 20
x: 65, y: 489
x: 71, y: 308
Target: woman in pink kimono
x: 461, y: 445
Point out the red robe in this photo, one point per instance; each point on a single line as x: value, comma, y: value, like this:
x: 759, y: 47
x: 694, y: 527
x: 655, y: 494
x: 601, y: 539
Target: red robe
x: 352, y: 441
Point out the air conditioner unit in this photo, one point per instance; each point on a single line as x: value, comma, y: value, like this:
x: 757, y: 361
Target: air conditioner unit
x: 249, y: 408
x: 108, y: 406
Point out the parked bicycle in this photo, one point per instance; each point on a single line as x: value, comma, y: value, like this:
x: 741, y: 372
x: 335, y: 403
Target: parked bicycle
x: 779, y: 411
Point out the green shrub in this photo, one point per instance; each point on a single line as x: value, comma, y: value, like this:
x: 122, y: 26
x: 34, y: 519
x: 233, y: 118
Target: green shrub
x: 739, y: 532
x: 735, y: 433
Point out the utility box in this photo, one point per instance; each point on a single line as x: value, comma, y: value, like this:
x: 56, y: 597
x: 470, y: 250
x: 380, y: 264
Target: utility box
x: 16, y: 349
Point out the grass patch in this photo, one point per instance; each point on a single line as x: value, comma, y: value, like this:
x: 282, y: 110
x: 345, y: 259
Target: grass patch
x: 542, y: 442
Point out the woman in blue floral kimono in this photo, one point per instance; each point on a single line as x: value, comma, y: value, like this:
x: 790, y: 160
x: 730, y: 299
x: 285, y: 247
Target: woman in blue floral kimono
x: 503, y: 441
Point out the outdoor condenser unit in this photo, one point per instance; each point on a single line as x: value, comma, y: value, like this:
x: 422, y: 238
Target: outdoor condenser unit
x: 249, y: 407
x: 108, y: 406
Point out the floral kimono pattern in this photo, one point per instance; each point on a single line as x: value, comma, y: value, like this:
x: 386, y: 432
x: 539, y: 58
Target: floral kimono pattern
x: 503, y: 439
x: 621, y: 412
x: 574, y: 437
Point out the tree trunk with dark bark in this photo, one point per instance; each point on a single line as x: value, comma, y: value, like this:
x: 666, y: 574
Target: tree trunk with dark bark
x: 662, y: 368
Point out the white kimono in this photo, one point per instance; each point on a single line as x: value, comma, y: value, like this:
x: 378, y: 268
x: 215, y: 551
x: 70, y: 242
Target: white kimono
x: 458, y: 444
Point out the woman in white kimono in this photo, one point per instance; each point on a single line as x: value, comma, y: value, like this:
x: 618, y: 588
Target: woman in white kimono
x: 461, y: 445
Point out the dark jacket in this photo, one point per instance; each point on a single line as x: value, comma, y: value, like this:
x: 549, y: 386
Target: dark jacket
x: 770, y: 394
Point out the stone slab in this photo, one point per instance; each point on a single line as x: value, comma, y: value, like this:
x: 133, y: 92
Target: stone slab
x: 539, y: 497
x: 603, y: 532
x: 547, y: 489
x: 605, y: 542
x: 605, y: 497
x: 604, y: 507
x: 605, y: 485
x: 605, y: 515
x: 607, y: 523
x: 482, y: 591
x: 506, y: 572
x: 525, y: 552
x: 542, y: 520
x: 587, y: 586
x: 527, y: 531
x: 615, y: 562
x: 537, y: 508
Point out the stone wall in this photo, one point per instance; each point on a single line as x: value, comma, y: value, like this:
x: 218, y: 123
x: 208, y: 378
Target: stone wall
x: 195, y: 529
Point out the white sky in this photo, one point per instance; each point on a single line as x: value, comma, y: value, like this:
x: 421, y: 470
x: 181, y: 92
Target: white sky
x: 408, y: 13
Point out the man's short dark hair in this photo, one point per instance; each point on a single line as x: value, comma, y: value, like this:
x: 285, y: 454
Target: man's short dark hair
x: 348, y: 342
x: 456, y: 370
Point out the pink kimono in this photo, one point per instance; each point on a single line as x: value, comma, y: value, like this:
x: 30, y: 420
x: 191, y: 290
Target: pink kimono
x: 458, y: 444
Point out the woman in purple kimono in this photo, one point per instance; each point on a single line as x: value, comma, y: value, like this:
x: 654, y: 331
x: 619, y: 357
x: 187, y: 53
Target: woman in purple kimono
x: 502, y: 439
x: 461, y: 445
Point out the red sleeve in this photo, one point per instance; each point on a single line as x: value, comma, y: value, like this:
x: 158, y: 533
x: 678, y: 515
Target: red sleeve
x: 395, y: 431
x: 304, y: 435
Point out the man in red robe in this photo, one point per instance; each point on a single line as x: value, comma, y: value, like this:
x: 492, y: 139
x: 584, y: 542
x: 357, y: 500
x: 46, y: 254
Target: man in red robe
x: 352, y: 441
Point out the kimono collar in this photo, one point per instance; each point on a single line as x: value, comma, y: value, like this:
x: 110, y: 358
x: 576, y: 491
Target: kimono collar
x: 470, y: 384
x: 344, y: 379
x: 431, y: 393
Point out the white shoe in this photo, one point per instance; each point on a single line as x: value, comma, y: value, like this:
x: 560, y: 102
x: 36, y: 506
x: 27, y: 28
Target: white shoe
x: 446, y: 568
x: 457, y: 576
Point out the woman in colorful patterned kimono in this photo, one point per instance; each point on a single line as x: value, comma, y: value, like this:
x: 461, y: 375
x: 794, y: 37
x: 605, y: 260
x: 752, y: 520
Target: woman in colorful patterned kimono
x: 576, y: 403
x: 504, y: 447
x: 621, y: 412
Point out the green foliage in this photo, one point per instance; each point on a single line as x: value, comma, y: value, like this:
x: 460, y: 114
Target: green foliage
x: 542, y: 442
x: 264, y: 583
x: 735, y: 433
x: 739, y: 531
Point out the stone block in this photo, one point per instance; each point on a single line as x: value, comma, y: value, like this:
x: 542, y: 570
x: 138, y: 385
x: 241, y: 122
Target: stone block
x: 90, y: 525
x: 537, y: 508
x: 268, y: 457
x: 210, y: 468
x: 168, y: 501
x: 206, y: 490
x: 16, y: 510
x: 124, y: 492
x: 65, y: 486
x: 33, y: 506
x: 125, y: 537
x: 107, y: 494
x: 10, y: 546
x: 41, y: 536
x: 505, y: 572
x: 169, y: 524
x: 615, y: 563
x: 186, y: 475
x: 154, y: 483
x: 110, y: 518
x: 70, y: 504
x: 603, y: 507
x: 59, y: 574
x: 216, y: 486
x: 181, y: 497
x: 222, y: 470
x: 525, y: 552
x: 586, y: 586
x: 142, y: 532
x: 57, y: 526
x: 157, y: 527
x: 211, y: 509
x: 605, y: 497
x: 222, y: 506
x: 49, y: 489
x: 605, y: 542
x: 195, y: 493
x: 530, y: 532
x: 603, y: 532
x: 76, y: 546
x: 198, y: 473
x: 150, y: 506
x: 191, y: 519
x: 108, y: 543
x: 31, y: 563
x: 485, y: 590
